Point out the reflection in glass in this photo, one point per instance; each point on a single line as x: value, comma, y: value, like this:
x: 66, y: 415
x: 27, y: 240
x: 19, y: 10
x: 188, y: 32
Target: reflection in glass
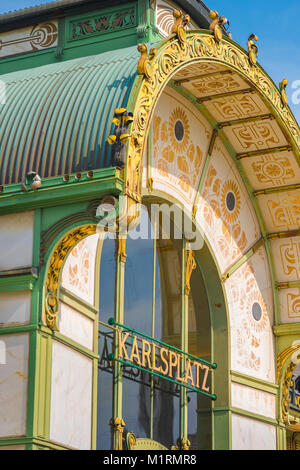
x: 105, y: 370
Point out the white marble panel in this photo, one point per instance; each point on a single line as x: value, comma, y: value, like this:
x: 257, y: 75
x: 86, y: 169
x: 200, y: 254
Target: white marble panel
x: 78, y: 274
x: 230, y: 229
x: 71, y: 397
x: 253, y: 400
x: 180, y: 142
x: 286, y: 254
x: 249, y: 434
x: 253, y: 136
x: 13, y: 385
x: 268, y: 171
x: 251, y: 317
x: 76, y: 326
x: 289, y: 300
x: 16, y: 240
x: 15, y: 308
x: 281, y: 211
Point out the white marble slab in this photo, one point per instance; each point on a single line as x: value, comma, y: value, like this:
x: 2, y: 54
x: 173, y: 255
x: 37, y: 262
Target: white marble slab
x: 13, y: 386
x: 249, y: 434
x: 15, y: 308
x: 253, y: 400
x: 71, y: 398
x: 16, y: 240
x: 76, y: 326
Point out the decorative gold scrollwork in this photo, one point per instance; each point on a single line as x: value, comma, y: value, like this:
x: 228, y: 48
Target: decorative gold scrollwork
x: 287, y: 361
x: 130, y: 440
x: 282, y: 88
x: 118, y: 427
x: 56, y: 263
x: 180, y: 23
x: 145, y: 61
x: 190, y: 265
x: 170, y: 58
x: 182, y: 444
x: 216, y: 25
x: 252, y: 49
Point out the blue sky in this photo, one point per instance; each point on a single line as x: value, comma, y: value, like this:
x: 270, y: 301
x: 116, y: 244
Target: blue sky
x: 273, y: 21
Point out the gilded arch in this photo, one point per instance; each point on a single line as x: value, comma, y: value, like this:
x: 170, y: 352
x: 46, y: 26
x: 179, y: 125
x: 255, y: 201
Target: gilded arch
x: 174, y: 54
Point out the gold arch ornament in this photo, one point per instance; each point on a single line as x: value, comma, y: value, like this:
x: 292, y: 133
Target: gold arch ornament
x: 60, y: 253
x: 287, y: 361
x: 173, y: 55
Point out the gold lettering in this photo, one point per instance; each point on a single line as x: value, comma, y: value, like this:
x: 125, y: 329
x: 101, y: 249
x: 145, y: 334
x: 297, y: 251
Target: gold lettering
x: 146, y: 354
x: 135, y: 352
x: 122, y: 345
x: 164, y: 360
x: 172, y: 363
x: 206, y: 389
x: 158, y: 369
x: 198, y: 366
x: 189, y: 374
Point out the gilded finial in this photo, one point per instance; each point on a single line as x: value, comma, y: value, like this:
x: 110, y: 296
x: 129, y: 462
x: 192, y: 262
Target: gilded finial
x: 253, y: 49
x: 145, y: 65
x: 216, y: 25
x: 282, y: 87
x: 180, y: 23
x: 121, y: 120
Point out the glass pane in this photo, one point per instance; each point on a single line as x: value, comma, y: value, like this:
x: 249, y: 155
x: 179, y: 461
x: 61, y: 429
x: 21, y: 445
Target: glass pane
x: 199, y: 407
x: 105, y: 377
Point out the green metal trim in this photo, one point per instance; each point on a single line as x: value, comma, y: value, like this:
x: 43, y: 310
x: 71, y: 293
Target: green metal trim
x: 287, y: 285
x: 77, y: 303
x: 184, y: 344
x: 253, y: 382
x: 42, y: 398
x: 289, y: 329
x: 243, y: 259
x: 56, y: 192
x: 16, y: 283
x: 254, y: 416
x: 31, y: 384
x: 206, y: 163
x: 74, y: 345
x: 112, y: 321
x: 112, y: 358
x: 279, y: 189
x: 14, y: 330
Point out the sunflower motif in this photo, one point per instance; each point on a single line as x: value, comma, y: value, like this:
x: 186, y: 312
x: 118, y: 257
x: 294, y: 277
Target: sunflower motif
x: 230, y: 201
x: 258, y: 319
x: 179, y: 130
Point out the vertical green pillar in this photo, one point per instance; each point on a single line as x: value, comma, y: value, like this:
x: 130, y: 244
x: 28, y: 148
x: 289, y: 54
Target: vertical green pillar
x: 117, y: 422
x: 184, y: 346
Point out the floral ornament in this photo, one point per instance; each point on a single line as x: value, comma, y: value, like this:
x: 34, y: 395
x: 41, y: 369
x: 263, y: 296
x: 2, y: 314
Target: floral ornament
x: 230, y: 201
x: 224, y: 202
x: 172, y: 145
x: 79, y: 267
x: 179, y: 130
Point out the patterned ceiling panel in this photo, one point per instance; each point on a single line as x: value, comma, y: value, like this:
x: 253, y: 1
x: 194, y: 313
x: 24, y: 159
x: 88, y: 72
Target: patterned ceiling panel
x: 269, y: 171
x: 198, y: 70
x: 253, y: 136
x: 281, y: 211
x: 210, y: 85
x: 236, y: 107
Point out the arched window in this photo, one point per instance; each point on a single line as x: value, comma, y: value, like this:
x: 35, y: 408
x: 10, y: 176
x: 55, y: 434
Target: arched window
x: 154, y: 305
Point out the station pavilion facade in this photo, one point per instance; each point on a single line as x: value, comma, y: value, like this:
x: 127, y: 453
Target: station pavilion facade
x: 114, y: 340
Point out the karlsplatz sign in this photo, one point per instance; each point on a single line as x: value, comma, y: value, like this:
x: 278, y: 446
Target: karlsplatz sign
x: 163, y: 360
